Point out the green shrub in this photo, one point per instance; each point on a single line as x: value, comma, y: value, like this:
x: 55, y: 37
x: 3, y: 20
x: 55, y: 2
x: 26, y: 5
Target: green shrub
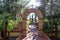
x: 28, y: 23
x: 10, y: 25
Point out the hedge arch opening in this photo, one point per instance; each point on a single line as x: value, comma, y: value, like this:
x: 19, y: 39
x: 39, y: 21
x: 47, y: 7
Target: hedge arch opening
x: 40, y: 18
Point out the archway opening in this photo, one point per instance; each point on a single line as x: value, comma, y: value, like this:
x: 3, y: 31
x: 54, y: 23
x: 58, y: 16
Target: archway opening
x: 40, y: 23
x: 40, y: 32
x: 32, y: 22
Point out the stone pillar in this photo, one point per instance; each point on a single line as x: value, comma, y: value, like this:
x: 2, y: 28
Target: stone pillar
x: 24, y: 29
x: 40, y: 27
x: 20, y: 25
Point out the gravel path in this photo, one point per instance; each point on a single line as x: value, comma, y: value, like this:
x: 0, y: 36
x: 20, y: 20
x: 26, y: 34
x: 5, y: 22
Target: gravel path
x: 33, y: 34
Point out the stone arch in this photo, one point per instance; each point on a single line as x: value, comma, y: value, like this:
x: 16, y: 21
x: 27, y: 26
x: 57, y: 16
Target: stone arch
x: 40, y: 18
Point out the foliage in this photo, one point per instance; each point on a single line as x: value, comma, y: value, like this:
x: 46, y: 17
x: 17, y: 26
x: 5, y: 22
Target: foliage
x: 28, y: 23
x: 10, y: 25
x: 3, y: 18
x: 10, y: 8
x: 2, y: 24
